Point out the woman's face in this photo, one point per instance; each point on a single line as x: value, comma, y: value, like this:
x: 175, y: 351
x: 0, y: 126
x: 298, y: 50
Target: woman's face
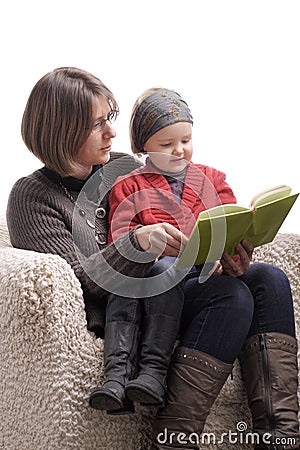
x: 96, y: 149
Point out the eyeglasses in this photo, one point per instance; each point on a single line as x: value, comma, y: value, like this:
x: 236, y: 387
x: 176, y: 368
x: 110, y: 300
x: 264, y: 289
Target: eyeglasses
x: 100, y: 124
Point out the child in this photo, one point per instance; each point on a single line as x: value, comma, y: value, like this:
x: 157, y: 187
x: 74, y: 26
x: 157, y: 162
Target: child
x: 169, y: 188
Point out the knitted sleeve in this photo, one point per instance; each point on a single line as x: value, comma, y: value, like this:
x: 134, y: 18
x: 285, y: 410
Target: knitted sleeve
x: 40, y: 219
x: 224, y: 190
x: 216, y: 190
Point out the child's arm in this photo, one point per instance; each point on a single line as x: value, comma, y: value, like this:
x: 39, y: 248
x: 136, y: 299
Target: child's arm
x: 225, y: 192
x: 216, y: 190
x: 122, y: 214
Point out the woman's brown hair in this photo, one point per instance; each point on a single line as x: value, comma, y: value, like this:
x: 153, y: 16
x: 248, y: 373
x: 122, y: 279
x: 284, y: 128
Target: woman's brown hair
x: 59, y: 114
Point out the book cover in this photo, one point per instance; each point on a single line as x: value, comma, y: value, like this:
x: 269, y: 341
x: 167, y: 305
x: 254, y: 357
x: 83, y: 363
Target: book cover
x: 220, y: 229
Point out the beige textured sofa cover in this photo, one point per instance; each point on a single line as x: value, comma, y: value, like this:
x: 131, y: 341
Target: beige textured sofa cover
x: 50, y: 362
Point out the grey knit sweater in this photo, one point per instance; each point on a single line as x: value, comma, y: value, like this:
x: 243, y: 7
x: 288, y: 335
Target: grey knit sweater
x: 39, y: 218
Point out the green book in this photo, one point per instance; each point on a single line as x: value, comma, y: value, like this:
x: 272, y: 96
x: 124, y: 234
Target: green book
x: 220, y: 229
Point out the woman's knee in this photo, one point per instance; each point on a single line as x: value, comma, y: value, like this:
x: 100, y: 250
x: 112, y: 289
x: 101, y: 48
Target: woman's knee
x: 273, y: 299
x: 238, y: 298
x: 270, y: 278
x: 223, y: 292
x: 221, y: 327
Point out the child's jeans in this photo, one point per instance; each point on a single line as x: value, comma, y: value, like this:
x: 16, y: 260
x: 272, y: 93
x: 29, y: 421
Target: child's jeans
x: 168, y: 303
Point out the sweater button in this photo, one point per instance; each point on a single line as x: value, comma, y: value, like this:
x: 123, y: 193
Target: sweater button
x: 100, y: 213
x: 100, y: 239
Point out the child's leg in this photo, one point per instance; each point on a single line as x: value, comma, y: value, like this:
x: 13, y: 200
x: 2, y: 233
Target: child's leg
x: 120, y: 344
x: 159, y: 330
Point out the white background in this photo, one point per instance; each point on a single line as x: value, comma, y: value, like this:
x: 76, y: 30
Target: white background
x: 236, y: 63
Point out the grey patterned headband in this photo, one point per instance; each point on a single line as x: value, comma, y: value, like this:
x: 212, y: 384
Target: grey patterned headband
x: 159, y: 110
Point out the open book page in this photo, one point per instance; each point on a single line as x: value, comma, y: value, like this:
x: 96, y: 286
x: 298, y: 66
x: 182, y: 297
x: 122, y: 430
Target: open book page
x: 268, y: 218
x: 221, y: 210
x: 269, y: 195
x: 262, y: 198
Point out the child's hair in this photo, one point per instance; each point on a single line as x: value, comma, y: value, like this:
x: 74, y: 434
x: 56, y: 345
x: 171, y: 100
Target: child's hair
x: 58, y: 116
x: 155, y: 108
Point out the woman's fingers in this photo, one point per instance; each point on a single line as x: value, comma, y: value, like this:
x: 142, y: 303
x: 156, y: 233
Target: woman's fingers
x: 237, y: 264
x: 231, y: 266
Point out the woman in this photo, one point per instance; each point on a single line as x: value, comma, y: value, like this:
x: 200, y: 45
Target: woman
x: 67, y: 125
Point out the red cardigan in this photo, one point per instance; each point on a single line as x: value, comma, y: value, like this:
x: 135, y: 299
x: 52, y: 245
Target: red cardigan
x: 145, y: 197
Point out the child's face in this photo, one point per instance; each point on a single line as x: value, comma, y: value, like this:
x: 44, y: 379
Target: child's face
x: 171, y: 148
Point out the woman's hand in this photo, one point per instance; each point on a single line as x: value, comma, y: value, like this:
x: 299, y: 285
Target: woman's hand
x: 162, y: 239
x: 217, y: 269
x: 237, y: 264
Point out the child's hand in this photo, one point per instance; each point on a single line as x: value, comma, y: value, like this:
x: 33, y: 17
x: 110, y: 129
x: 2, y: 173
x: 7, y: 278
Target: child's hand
x: 161, y: 238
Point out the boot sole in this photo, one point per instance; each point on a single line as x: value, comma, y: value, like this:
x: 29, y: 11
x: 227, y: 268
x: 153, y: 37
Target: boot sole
x: 128, y: 408
x: 140, y: 394
x: 105, y: 401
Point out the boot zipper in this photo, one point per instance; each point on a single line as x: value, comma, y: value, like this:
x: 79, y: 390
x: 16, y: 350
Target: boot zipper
x: 267, y: 382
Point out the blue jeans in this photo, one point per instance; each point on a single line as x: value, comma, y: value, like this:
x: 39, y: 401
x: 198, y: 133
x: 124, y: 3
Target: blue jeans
x: 217, y: 316
x: 220, y: 314
x: 169, y: 303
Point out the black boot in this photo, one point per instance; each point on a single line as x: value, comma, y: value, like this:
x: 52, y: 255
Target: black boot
x: 269, y: 368
x: 157, y: 345
x: 120, y: 346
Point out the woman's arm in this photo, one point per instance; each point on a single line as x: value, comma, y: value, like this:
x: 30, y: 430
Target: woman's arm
x: 41, y: 219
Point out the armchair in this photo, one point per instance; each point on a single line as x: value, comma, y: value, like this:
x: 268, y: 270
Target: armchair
x: 50, y: 362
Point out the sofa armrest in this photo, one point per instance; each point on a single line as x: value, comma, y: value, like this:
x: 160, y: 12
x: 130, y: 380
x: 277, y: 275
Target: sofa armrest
x: 4, y: 235
x: 49, y: 361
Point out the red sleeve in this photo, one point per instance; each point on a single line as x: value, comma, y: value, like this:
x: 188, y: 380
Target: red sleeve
x: 225, y: 192
x: 215, y: 190
x: 122, y: 214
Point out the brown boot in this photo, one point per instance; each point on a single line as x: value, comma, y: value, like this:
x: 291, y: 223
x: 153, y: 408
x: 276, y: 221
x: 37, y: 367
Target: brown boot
x: 270, y: 371
x: 194, y: 381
